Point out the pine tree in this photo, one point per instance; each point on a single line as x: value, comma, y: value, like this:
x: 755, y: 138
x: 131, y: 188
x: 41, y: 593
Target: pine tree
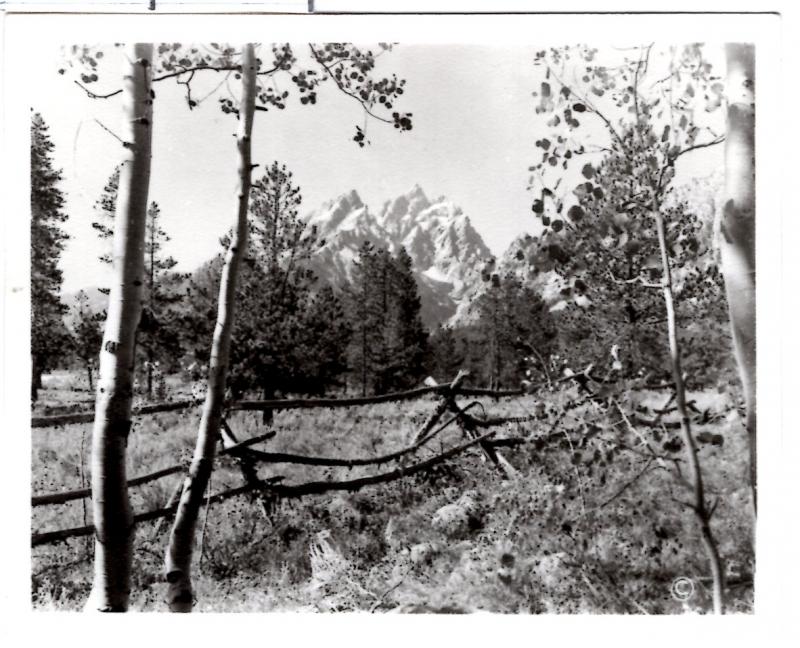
x: 362, y: 299
x: 48, y: 332
x: 87, y: 334
x: 516, y: 331
x: 384, y: 360
x: 277, y: 230
x: 411, y: 346
x: 105, y: 207
x: 447, y: 354
x: 275, y: 289
x: 157, y: 335
x: 323, y: 353
x: 389, y: 343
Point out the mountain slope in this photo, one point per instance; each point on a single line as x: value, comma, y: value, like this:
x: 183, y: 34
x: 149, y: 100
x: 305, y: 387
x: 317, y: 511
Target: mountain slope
x: 446, y: 250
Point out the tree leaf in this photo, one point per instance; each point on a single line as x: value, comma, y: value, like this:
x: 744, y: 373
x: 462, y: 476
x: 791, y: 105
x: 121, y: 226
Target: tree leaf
x: 576, y: 213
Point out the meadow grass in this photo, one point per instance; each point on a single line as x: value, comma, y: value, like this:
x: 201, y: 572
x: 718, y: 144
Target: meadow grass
x: 579, y: 528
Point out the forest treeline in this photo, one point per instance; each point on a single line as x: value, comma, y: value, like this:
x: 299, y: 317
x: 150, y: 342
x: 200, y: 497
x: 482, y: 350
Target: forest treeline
x: 299, y: 335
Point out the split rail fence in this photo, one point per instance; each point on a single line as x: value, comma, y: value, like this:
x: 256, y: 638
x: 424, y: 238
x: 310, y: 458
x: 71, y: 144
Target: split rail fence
x: 476, y: 430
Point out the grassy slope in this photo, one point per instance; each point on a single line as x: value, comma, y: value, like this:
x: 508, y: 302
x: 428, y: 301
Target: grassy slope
x: 560, y: 537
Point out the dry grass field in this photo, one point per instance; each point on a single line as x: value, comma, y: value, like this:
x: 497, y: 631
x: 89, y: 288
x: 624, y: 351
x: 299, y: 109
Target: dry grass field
x: 589, y: 522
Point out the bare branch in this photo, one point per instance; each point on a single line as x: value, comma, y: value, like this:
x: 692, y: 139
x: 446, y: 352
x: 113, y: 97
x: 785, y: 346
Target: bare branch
x: 714, y: 142
x: 93, y: 95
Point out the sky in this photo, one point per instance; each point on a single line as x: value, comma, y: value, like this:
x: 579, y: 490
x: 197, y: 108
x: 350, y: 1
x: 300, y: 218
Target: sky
x: 472, y: 141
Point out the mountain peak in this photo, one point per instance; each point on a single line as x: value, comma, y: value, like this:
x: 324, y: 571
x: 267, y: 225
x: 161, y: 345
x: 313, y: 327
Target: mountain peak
x: 446, y: 251
x: 352, y: 199
x: 417, y: 192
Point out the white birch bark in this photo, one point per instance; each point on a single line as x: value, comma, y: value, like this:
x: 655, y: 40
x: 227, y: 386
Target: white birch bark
x: 178, y: 561
x: 113, y: 519
x: 738, y: 228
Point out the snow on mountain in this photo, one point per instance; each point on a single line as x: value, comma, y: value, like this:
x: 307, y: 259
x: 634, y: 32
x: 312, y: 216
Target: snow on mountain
x: 446, y: 250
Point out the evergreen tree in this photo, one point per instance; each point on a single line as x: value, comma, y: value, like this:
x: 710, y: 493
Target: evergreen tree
x: 410, y: 339
x: 273, y: 350
x: 48, y: 332
x: 105, y: 207
x: 277, y: 230
x: 364, y: 316
x: 157, y: 335
x: 447, y: 354
x: 389, y: 344
x: 323, y: 352
x: 87, y: 334
x: 516, y: 332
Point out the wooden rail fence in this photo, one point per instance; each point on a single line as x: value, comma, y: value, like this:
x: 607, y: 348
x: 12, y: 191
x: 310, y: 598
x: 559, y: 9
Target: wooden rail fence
x: 248, y: 457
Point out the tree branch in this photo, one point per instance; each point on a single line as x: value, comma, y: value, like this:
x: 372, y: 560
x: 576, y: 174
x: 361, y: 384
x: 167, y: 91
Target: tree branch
x: 345, y: 90
x: 694, y: 147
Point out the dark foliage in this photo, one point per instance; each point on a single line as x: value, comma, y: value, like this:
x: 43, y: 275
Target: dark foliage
x: 49, y: 335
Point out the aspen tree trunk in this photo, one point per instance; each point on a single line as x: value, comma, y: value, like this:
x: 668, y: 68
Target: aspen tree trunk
x: 699, y: 506
x: 179, y: 552
x: 738, y: 228
x: 113, y: 519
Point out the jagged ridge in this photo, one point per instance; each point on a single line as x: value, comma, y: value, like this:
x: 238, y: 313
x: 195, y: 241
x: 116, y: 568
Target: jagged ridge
x: 447, y: 251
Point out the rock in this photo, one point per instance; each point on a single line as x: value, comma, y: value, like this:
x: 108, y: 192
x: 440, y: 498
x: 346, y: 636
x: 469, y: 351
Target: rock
x: 452, y: 520
x: 461, y: 517
x: 423, y: 552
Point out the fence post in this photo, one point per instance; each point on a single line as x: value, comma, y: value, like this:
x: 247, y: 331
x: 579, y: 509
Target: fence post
x: 466, y: 425
x: 247, y: 466
x: 441, y: 408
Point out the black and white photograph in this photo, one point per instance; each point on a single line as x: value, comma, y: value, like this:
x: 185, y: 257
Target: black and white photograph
x: 394, y: 315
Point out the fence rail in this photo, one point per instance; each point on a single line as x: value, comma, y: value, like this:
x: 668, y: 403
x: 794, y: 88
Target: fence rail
x: 469, y: 424
x: 88, y: 417
x: 293, y: 403
x: 281, y: 490
x: 81, y: 493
